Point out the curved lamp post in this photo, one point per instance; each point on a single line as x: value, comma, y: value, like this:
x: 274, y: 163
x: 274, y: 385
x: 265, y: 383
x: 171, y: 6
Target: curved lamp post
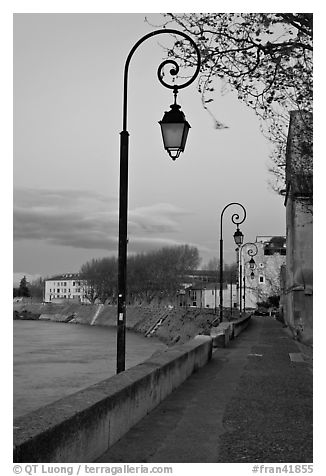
x: 252, y: 264
x: 174, y: 129
x: 238, y: 238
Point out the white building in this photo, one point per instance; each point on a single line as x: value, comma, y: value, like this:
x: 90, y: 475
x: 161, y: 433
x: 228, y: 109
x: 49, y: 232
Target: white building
x: 65, y: 286
x: 207, y: 295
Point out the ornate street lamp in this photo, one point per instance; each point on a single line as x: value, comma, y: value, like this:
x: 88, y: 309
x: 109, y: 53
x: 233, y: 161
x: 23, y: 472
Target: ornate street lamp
x: 174, y: 130
x: 238, y: 238
x: 252, y: 264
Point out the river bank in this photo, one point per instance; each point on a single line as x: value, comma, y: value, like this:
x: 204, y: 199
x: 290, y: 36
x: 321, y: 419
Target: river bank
x: 169, y: 325
x: 52, y: 360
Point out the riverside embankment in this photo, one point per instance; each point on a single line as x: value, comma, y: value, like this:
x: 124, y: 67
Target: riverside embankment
x: 81, y: 426
x: 170, y: 325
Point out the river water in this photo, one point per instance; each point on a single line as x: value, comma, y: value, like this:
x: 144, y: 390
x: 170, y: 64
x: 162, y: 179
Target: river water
x: 52, y: 360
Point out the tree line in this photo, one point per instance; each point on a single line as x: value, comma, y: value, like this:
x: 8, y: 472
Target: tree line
x: 154, y: 275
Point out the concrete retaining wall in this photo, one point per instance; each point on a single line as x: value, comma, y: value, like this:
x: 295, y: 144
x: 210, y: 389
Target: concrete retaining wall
x: 179, y: 324
x: 240, y: 325
x: 82, y: 426
x: 226, y: 331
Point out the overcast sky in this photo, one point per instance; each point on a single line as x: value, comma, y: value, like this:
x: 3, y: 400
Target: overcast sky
x: 68, y: 78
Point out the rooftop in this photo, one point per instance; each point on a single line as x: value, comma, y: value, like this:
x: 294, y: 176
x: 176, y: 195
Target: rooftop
x: 210, y: 286
x: 270, y: 238
x: 66, y: 276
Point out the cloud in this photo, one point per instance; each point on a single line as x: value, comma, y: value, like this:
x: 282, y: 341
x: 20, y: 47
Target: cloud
x: 89, y: 220
x: 156, y: 218
x: 80, y: 219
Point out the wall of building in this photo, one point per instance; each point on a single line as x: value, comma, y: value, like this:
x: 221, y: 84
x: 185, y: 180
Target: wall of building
x: 228, y: 298
x: 299, y: 272
x: 61, y: 288
x: 209, y: 296
x: 251, y: 295
x: 298, y: 285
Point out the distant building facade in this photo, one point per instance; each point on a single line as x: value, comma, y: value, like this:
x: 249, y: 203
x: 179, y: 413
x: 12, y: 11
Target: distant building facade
x: 201, y: 288
x: 207, y: 295
x: 263, y: 280
x: 65, y: 287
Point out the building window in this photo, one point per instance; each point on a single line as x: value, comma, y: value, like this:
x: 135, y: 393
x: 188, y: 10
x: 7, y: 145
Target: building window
x: 193, y: 295
x: 73, y: 283
x: 58, y: 290
x: 268, y: 251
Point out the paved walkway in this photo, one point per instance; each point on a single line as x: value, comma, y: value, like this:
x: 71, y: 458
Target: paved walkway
x: 251, y: 403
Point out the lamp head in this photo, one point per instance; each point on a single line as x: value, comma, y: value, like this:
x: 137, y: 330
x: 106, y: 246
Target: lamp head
x: 175, y: 130
x: 238, y: 237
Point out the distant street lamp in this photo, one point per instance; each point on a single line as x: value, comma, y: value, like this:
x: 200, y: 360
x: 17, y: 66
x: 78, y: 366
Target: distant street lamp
x: 174, y: 129
x: 238, y: 238
x: 251, y: 252
x: 252, y: 263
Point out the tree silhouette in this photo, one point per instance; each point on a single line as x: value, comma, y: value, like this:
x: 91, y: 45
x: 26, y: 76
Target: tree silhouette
x: 23, y: 288
x: 265, y: 57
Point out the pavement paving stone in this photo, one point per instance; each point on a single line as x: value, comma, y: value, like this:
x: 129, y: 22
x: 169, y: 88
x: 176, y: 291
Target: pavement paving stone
x: 271, y: 411
x: 251, y: 403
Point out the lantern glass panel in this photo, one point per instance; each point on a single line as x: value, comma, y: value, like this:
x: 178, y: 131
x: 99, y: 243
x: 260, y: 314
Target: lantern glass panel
x: 173, y: 135
x: 185, y: 135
